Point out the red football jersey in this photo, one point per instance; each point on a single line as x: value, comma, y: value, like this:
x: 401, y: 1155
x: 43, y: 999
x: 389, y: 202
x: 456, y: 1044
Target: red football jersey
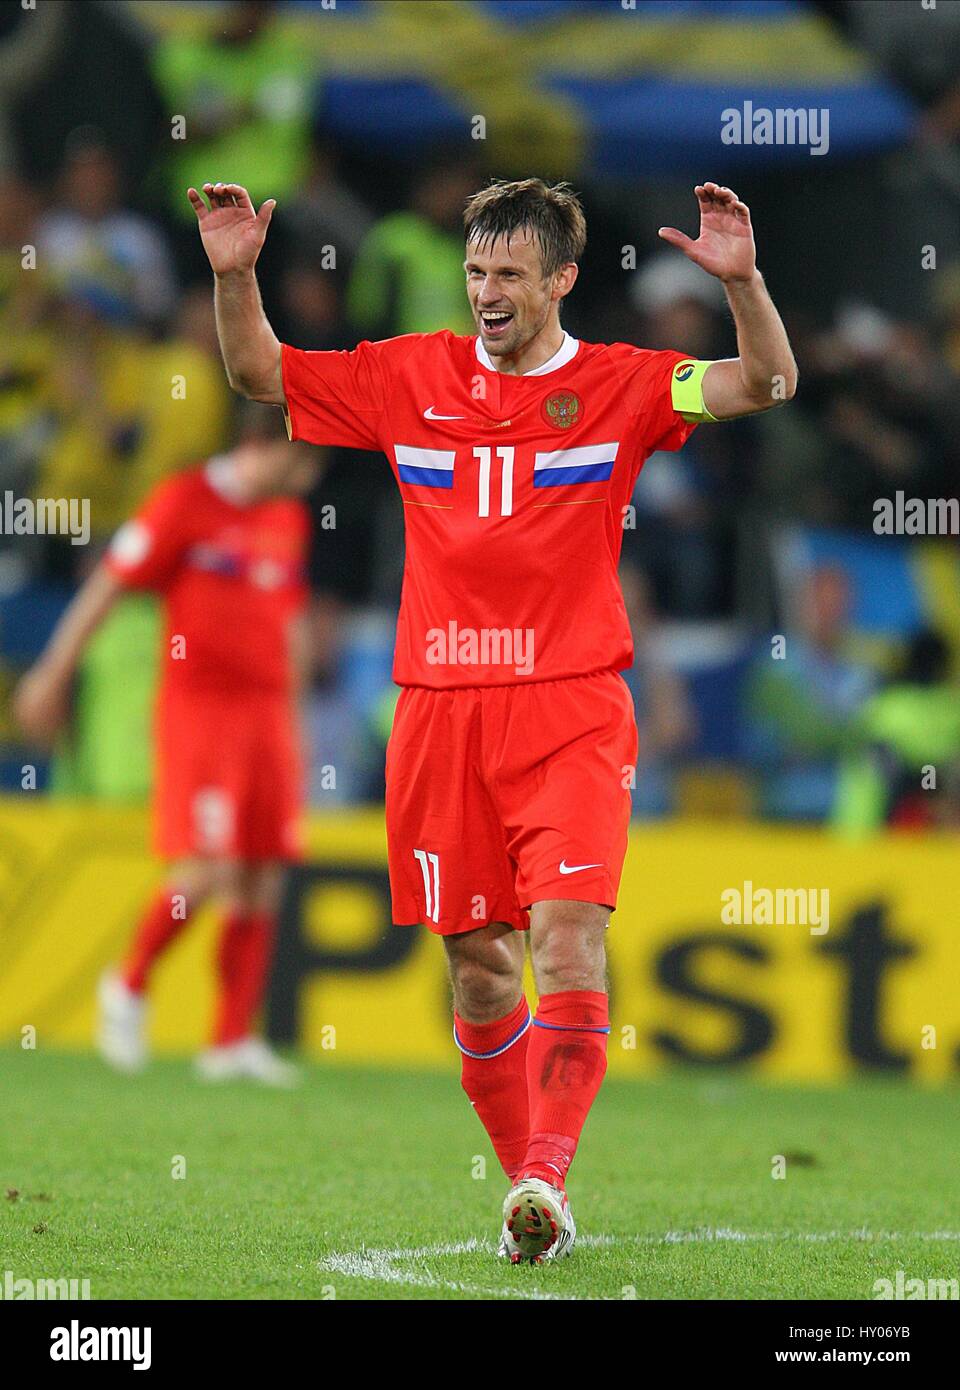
x: 231, y: 575
x: 514, y: 490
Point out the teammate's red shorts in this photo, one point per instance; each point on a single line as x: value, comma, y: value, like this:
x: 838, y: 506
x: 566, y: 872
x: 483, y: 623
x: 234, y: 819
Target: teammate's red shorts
x: 228, y: 775
x: 504, y: 796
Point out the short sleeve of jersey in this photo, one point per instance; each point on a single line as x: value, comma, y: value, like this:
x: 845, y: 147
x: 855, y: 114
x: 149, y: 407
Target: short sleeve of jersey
x: 336, y: 397
x: 146, y: 551
x: 647, y: 378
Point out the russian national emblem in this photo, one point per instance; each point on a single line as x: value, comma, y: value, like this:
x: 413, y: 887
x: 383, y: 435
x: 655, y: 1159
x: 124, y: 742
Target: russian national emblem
x: 562, y: 409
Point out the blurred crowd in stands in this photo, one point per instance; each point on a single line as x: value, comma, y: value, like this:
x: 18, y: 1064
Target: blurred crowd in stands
x: 110, y: 379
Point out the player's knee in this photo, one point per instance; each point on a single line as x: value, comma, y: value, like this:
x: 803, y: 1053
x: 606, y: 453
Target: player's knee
x: 479, y: 987
x: 567, y: 945
x: 486, y: 971
x: 230, y: 882
x: 194, y: 880
x: 485, y: 987
x: 263, y: 885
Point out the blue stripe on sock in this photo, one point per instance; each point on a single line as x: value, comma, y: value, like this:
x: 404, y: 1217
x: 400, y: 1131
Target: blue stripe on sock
x: 495, y: 1051
x: 570, y: 1027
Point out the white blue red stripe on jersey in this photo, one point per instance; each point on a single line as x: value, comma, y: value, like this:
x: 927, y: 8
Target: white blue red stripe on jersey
x: 425, y: 467
x: 592, y: 463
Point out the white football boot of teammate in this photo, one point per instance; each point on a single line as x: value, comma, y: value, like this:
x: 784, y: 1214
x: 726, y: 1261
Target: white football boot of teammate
x: 120, y: 1027
x: 250, y: 1059
x: 538, y: 1224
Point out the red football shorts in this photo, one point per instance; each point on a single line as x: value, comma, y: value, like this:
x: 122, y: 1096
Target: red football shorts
x: 504, y: 796
x: 228, y: 776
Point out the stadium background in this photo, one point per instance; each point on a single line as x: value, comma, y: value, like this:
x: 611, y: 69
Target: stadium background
x: 369, y: 122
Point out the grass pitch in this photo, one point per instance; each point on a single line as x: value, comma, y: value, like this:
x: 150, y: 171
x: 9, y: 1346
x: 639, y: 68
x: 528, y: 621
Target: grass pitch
x: 362, y: 1184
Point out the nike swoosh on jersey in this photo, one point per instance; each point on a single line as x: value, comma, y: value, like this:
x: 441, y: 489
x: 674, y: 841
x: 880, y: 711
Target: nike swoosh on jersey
x: 566, y: 868
x: 429, y: 415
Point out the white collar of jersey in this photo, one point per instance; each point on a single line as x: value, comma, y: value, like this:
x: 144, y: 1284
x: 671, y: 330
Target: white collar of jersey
x: 564, y: 354
x: 222, y: 477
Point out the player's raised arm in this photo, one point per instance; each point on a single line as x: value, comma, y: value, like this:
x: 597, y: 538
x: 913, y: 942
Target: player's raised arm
x: 233, y: 235
x: 765, y: 373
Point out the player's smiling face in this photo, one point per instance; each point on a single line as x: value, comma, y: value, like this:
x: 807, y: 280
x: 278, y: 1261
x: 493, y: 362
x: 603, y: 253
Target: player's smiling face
x: 511, y: 300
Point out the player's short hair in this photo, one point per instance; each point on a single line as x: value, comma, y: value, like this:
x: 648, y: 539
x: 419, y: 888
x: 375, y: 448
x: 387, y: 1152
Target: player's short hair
x: 550, y: 212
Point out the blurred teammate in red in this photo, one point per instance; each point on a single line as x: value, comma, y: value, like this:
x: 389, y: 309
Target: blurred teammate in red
x: 515, y: 452
x: 224, y: 545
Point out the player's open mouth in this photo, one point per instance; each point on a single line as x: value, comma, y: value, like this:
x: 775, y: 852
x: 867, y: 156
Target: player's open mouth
x: 495, y: 321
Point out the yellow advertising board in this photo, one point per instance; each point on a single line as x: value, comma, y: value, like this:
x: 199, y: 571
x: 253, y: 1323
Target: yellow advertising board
x: 783, y: 950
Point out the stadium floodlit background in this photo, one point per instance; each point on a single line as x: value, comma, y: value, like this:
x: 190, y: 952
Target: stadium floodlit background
x: 796, y: 675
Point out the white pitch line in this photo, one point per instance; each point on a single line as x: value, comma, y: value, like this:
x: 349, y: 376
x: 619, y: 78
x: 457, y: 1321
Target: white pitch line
x: 380, y: 1265
x: 706, y: 1234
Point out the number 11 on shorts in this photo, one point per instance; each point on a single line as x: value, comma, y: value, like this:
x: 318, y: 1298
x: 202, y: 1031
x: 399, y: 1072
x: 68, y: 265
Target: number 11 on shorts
x: 430, y: 868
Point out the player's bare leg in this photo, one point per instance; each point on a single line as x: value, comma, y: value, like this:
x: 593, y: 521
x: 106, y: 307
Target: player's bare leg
x: 243, y: 961
x: 486, y: 971
x: 566, y: 1062
x: 121, y: 1023
x: 568, y: 945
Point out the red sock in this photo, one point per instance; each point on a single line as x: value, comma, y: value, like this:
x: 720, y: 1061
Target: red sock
x: 494, y: 1076
x: 163, y: 921
x: 566, y: 1061
x: 243, y: 962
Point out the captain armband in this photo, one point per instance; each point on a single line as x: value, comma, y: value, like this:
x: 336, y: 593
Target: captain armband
x: 686, y: 390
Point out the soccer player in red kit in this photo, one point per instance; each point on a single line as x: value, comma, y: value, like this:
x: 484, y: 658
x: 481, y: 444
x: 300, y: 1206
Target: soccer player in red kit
x: 224, y: 545
x: 508, y: 768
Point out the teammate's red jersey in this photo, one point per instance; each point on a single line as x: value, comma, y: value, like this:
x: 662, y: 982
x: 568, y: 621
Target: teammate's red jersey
x: 514, y: 490
x: 231, y: 574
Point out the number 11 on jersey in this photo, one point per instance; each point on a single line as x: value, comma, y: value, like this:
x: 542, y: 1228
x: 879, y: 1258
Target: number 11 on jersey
x: 505, y: 454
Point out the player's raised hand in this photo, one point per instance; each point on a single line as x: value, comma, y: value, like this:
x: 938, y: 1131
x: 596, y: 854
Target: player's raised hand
x: 725, y: 246
x: 231, y: 231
